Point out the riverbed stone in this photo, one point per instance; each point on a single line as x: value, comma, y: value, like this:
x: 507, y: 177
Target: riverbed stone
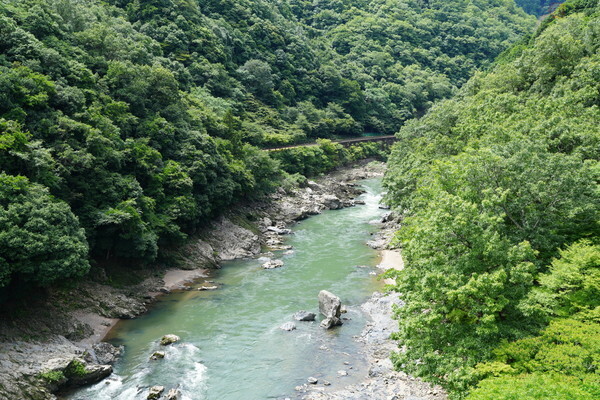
x: 272, y: 264
x: 169, y: 339
x: 173, y: 394
x: 312, y: 380
x: 329, y: 323
x: 155, y: 392
x: 158, y: 355
x: 288, y: 326
x: 330, y: 307
x: 331, y: 201
x: 279, y: 231
x: 304, y: 316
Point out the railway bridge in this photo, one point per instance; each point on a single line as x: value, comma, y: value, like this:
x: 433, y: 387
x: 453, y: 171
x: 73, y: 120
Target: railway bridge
x: 344, y: 142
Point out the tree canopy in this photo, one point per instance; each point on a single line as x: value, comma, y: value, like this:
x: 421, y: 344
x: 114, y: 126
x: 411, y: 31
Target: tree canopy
x: 139, y: 121
x: 499, y: 188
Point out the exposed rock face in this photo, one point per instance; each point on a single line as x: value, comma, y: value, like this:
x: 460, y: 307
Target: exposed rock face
x: 279, y: 231
x: 169, y: 339
x: 231, y: 241
x: 330, y: 307
x: 288, y: 326
x: 389, y: 225
x: 23, y: 366
x: 155, y: 392
x: 304, y: 316
x: 197, y: 254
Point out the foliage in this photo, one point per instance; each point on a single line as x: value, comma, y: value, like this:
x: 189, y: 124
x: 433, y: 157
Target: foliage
x: 560, y: 363
x: 75, y: 369
x: 41, y: 241
x: 571, y: 287
x: 52, y: 376
x: 325, y: 156
x: 536, y: 387
x: 495, y: 184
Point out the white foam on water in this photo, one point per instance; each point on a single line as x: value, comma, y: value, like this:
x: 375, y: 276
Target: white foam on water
x: 194, y: 383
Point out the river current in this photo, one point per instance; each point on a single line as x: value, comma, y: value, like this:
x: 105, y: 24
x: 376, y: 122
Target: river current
x: 231, y: 345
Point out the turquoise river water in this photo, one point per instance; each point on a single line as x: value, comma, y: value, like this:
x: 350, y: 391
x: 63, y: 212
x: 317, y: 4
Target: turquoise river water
x: 231, y: 346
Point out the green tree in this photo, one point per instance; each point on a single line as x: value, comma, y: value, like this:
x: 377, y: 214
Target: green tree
x: 41, y: 241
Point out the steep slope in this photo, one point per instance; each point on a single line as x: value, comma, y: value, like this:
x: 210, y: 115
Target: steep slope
x: 495, y: 183
x: 136, y: 121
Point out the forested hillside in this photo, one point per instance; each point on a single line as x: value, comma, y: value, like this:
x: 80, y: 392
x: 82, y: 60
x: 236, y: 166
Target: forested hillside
x: 500, y: 191
x: 126, y: 124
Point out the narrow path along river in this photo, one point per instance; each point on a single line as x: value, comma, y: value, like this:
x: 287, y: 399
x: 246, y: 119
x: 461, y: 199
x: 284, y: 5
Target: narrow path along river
x: 231, y: 346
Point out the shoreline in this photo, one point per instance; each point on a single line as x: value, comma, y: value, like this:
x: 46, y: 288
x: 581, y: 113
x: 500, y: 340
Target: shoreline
x: 174, y: 279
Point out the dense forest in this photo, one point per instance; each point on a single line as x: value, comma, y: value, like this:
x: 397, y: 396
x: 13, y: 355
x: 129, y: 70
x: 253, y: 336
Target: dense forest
x: 500, y: 191
x: 126, y: 125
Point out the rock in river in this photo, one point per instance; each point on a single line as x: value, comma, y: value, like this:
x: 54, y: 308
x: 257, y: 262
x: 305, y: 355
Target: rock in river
x: 304, y: 316
x: 330, y: 306
x: 155, y: 392
x: 288, y: 326
x: 169, y: 339
x: 89, y: 374
x: 332, y: 202
x: 173, y: 394
x: 272, y: 264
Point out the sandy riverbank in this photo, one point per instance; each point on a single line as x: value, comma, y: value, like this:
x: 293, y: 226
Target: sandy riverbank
x: 174, y: 279
x: 391, y: 259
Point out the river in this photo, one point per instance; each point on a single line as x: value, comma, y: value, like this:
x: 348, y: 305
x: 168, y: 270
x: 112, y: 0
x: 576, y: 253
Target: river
x: 231, y: 346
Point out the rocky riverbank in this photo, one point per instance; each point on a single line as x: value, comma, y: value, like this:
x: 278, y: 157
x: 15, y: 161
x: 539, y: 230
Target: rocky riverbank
x: 55, y: 343
x: 382, y: 382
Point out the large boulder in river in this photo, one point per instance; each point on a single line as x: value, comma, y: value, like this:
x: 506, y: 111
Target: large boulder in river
x: 155, y: 392
x: 330, y: 306
x: 169, y: 339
